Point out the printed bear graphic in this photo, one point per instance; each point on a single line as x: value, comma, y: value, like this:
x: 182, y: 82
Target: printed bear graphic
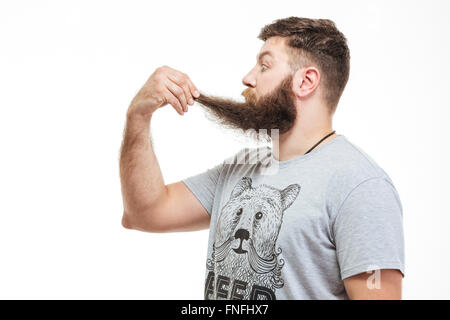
x: 244, y: 262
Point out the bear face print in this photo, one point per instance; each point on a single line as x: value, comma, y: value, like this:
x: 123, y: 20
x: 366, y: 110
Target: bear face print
x: 244, y: 262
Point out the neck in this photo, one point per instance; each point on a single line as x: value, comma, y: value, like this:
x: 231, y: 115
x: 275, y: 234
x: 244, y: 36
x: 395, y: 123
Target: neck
x: 302, y: 137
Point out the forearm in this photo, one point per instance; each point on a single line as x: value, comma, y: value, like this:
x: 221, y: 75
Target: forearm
x: 141, y: 178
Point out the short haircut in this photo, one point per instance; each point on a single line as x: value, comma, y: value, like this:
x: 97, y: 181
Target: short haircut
x: 315, y: 42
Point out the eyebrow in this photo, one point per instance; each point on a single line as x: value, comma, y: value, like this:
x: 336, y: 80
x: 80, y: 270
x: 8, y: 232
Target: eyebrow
x: 262, y: 54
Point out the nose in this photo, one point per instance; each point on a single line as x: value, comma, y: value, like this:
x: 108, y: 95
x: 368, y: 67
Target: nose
x: 242, y: 234
x: 249, y: 80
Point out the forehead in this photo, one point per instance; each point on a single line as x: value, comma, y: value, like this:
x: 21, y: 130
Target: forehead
x: 276, y: 46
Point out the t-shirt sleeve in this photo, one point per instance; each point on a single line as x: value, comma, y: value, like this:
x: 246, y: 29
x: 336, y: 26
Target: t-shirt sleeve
x: 203, y: 185
x: 368, y: 229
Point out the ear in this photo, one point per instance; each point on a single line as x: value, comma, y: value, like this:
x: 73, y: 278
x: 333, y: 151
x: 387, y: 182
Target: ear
x: 243, y: 184
x: 305, y: 82
x: 288, y: 195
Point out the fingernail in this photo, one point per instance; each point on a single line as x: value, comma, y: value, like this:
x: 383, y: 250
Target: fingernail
x: 191, y: 102
x: 196, y: 94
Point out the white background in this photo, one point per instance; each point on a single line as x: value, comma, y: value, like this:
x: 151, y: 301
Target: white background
x: 68, y: 70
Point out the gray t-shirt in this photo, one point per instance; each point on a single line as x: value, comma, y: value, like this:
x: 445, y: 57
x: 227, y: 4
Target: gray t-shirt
x: 297, y: 232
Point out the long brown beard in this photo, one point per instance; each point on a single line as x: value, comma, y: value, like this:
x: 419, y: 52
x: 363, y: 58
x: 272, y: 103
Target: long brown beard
x: 275, y: 110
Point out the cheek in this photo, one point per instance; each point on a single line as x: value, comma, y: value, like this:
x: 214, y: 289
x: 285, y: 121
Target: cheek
x: 267, y: 227
x: 226, y: 220
x: 265, y: 87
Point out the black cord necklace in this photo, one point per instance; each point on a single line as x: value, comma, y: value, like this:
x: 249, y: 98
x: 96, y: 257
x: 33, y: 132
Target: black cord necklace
x: 321, y: 141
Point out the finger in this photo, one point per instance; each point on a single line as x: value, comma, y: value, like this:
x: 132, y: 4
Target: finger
x: 183, y: 80
x: 182, y: 83
x: 177, y: 74
x: 170, y: 98
x: 178, y: 92
x: 194, y: 90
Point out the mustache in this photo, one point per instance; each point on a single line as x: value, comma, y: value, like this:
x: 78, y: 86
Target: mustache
x: 257, y: 263
x: 221, y: 252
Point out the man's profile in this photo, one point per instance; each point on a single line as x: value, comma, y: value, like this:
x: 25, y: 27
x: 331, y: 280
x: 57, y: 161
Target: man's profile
x: 323, y: 226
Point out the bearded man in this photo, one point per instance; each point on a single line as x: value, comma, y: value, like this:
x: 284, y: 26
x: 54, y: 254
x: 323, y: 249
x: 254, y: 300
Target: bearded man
x: 326, y: 224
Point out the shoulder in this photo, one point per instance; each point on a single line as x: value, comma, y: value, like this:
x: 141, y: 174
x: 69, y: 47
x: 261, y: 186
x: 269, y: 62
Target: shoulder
x: 351, y: 167
x: 348, y: 157
x: 350, y: 164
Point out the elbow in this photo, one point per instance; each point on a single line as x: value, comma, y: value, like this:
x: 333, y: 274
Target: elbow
x: 141, y: 223
x: 137, y: 222
x: 126, y: 221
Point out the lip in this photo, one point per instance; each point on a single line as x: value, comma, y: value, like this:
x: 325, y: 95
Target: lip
x: 239, y: 250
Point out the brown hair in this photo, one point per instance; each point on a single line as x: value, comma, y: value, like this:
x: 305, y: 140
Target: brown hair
x: 317, y: 42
